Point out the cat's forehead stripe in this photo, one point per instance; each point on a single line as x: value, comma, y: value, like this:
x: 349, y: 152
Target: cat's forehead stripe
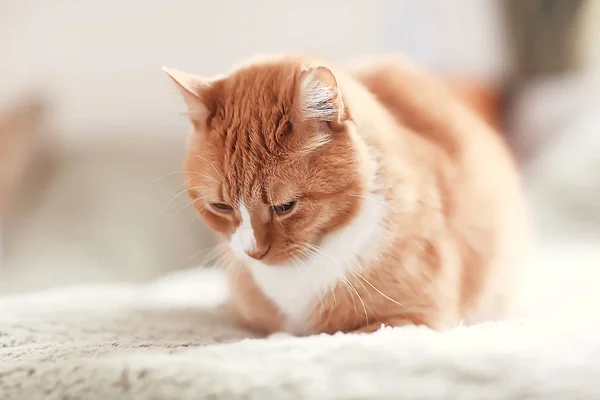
x: 244, y: 235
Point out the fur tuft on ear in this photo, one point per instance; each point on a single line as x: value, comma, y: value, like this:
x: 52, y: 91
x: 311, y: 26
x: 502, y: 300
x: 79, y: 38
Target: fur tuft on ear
x: 321, y: 97
x: 194, y: 91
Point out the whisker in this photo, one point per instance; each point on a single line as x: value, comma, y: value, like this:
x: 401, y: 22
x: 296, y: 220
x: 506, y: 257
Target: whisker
x: 300, y: 264
x: 207, y: 177
x: 179, y: 194
x: 362, y: 285
x: 312, y: 252
x: 186, y: 182
x: 331, y: 287
x: 343, y: 277
x: 359, y: 275
x: 165, y: 176
x: 178, y: 172
x: 196, y: 215
x: 212, y: 254
x: 189, y: 204
x: 198, y: 254
x: 357, y: 295
x: 229, y: 263
x: 231, y: 266
x: 184, y: 207
x: 211, y: 164
x: 377, y: 290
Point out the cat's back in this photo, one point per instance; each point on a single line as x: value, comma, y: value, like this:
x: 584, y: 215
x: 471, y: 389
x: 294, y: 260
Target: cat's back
x: 472, y: 164
x: 421, y: 102
x: 438, y: 125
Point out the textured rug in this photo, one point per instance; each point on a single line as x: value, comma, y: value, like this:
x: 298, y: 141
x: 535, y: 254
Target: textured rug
x: 171, y: 340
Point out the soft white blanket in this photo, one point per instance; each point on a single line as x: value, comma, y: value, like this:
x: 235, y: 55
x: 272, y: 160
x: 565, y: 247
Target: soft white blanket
x: 171, y: 340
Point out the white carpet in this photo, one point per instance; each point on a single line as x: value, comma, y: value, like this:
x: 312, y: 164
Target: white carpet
x: 170, y: 340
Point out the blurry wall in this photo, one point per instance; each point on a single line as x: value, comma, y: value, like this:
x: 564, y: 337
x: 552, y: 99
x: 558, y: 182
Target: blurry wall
x: 101, y: 60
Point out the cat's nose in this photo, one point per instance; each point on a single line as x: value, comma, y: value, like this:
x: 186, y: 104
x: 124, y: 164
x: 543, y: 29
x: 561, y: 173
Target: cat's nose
x: 258, y: 253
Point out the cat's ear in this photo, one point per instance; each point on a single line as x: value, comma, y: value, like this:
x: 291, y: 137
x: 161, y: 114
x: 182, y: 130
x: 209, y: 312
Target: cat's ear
x: 195, y: 92
x: 320, y: 95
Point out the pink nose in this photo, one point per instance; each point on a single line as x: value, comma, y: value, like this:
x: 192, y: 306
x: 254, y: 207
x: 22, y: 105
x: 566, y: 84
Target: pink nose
x: 258, y: 253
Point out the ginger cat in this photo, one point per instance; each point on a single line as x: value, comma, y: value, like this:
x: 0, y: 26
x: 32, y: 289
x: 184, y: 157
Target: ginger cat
x: 352, y: 198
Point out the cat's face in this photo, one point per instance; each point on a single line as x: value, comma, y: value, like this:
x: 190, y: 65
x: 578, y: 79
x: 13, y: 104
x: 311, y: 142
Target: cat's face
x: 272, y: 164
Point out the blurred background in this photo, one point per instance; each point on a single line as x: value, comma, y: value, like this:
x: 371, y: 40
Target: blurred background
x: 100, y: 130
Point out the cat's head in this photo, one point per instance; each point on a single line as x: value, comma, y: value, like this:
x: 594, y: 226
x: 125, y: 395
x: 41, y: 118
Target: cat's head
x: 274, y: 163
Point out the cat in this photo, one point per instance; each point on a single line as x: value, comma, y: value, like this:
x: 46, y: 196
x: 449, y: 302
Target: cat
x: 352, y: 198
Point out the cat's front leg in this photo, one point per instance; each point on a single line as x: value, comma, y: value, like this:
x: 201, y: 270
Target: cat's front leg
x: 250, y: 308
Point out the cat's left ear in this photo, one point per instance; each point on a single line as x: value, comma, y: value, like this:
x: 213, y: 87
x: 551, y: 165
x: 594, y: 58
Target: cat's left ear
x: 321, y: 97
x: 196, y: 94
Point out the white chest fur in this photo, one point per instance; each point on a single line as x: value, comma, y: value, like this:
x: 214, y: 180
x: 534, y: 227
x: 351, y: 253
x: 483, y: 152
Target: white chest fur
x: 295, y: 288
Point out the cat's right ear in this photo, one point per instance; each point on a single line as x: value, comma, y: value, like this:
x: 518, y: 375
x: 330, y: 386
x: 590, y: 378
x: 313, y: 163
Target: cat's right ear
x: 195, y: 93
x: 320, y: 95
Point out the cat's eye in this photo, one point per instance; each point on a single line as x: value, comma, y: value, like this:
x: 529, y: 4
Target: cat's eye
x: 281, y: 209
x: 222, y: 207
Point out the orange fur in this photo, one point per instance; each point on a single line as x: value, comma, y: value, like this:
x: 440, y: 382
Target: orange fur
x: 17, y: 141
x: 485, y: 100
x: 342, y: 142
